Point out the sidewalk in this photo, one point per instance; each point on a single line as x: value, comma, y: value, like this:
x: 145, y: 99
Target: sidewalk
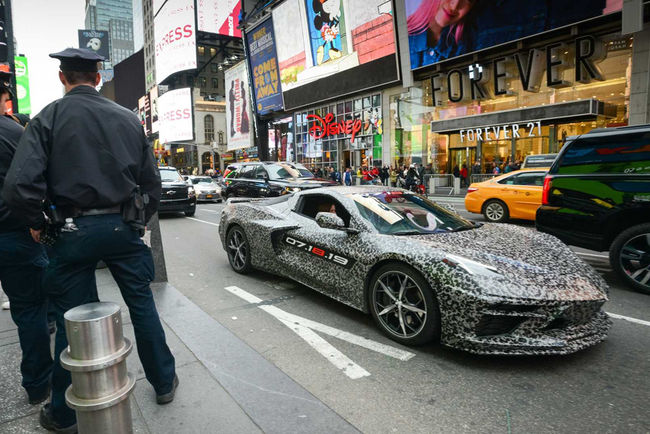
x: 225, y: 386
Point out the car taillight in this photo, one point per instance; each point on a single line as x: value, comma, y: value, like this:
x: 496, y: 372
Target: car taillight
x: 472, y: 189
x: 546, y: 190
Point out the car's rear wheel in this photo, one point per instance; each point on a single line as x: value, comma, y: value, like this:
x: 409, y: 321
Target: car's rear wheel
x: 238, y: 248
x: 495, y: 211
x: 629, y: 256
x: 403, y: 305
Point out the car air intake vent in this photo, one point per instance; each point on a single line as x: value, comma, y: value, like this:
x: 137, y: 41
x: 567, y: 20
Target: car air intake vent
x: 515, y: 307
x: 491, y: 325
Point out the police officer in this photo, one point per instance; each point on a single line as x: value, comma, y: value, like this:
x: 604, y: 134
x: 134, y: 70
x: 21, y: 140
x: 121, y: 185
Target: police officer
x: 22, y: 264
x: 88, y: 157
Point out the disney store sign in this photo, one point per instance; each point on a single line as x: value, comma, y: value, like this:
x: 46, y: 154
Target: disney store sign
x: 324, y: 127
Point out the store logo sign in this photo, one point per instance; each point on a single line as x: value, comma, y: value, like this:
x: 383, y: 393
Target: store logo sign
x: 323, y: 127
x: 481, y: 81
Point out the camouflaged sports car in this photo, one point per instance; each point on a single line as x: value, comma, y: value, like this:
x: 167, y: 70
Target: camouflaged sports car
x: 423, y: 272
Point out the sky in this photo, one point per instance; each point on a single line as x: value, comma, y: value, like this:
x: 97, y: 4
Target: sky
x: 42, y: 27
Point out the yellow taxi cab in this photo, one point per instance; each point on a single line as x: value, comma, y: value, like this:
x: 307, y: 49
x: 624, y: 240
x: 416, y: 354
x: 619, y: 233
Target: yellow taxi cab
x: 515, y: 195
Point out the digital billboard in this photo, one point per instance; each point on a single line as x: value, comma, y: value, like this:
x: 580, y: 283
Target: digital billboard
x: 264, y: 68
x: 443, y: 29
x: 218, y: 16
x: 175, y: 117
x: 316, y: 39
x: 22, y: 85
x: 175, y: 38
x: 96, y: 40
x: 238, y: 109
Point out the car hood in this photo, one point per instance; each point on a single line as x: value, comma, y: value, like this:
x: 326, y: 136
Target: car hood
x: 206, y: 187
x: 174, y: 184
x: 532, y: 264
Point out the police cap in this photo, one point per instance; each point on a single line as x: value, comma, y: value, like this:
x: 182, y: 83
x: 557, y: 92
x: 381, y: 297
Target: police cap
x: 78, y: 59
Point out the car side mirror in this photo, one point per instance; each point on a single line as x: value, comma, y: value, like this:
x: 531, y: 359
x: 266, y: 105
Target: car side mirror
x: 329, y: 220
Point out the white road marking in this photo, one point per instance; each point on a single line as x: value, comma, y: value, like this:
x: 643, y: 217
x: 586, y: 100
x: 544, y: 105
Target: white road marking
x: 306, y: 329
x: 630, y: 319
x: 202, y: 221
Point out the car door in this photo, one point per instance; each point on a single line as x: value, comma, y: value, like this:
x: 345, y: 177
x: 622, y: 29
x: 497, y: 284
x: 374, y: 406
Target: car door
x: 321, y: 258
x: 507, y: 192
x: 259, y: 186
x: 529, y: 187
x: 244, y: 178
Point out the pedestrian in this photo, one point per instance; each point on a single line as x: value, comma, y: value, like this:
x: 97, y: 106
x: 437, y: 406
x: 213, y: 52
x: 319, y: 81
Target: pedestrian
x: 22, y: 266
x: 476, y: 168
x: 463, y: 176
x: 393, y: 176
x: 347, y: 176
x: 456, y: 171
x: 113, y: 172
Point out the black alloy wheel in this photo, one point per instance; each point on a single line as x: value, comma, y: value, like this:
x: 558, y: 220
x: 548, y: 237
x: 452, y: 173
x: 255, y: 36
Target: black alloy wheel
x: 403, y: 305
x: 629, y: 256
x: 239, y: 253
x: 495, y: 211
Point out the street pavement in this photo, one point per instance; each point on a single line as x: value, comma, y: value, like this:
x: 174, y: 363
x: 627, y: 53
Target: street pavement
x: 260, y: 353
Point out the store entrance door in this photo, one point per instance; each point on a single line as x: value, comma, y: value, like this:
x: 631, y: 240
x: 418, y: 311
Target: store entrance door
x: 462, y: 156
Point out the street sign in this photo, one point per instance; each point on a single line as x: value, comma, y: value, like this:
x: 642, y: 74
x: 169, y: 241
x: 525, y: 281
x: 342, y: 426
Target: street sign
x: 307, y: 329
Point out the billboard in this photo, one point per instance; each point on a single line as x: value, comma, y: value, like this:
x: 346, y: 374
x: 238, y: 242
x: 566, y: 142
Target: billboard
x: 264, y: 68
x: 218, y: 16
x: 144, y: 113
x: 22, y: 85
x: 96, y: 40
x: 238, y: 110
x: 440, y: 29
x: 315, y: 39
x: 153, y: 100
x: 174, y: 36
x: 175, y: 116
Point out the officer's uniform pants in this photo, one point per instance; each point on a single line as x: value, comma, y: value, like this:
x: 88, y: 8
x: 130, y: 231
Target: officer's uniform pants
x: 71, y: 282
x: 22, y: 263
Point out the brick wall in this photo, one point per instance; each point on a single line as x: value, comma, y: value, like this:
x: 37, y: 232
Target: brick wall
x: 297, y: 60
x: 374, y: 39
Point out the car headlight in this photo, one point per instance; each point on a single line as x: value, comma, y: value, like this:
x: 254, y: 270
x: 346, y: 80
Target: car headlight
x: 470, y: 267
x: 292, y: 189
x: 190, y: 191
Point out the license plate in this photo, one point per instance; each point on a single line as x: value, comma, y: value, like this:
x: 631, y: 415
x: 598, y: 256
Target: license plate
x: 209, y: 196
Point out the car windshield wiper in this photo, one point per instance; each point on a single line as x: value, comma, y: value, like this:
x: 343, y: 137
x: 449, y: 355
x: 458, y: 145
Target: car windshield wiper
x: 407, y: 232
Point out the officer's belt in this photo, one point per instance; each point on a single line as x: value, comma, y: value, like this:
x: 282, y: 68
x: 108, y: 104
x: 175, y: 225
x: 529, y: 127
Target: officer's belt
x: 99, y: 211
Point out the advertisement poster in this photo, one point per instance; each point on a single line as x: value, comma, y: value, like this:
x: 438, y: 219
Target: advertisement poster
x: 335, y: 35
x: 175, y: 38
x: 144, y: 111
x: 175, y: 116
x: 96, y: 40
x: 326, y: 25
x: 22, y: 85
x: 440, y: 29
x: 219, y: 16
x: 265, y: 69
x: 238, y: 111
x: 153, y: 100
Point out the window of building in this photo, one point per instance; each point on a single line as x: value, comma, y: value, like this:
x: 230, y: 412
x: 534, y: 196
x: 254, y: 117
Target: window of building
x: 201, y: 51
x: 215, y: 83
x: 203, y: 82
x: 208, y: 126
x: 214, y: 67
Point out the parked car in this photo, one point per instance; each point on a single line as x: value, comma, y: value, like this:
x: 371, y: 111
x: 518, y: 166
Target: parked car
x: 539, y: 160
x: 422, y: 272
x: 206, y: 188
x: 268, y: 179
x: 176, y: 195
x: 597, y: 196
x: 517, y: 195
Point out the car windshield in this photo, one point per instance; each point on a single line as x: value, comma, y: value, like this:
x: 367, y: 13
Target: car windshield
x: 403, y: 213
x: 202, y: 180
x: 170, y: 176
x: 287, y: 171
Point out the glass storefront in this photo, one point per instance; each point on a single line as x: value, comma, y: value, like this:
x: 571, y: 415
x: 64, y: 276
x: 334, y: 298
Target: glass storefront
x: 361, y: 115
x: 411, y: 114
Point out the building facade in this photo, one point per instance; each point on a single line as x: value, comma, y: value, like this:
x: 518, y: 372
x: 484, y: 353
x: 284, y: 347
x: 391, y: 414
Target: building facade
x: 116, y: 17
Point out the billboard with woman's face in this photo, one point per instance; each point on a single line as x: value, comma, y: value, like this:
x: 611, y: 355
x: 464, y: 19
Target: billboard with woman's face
x: 443, y: 29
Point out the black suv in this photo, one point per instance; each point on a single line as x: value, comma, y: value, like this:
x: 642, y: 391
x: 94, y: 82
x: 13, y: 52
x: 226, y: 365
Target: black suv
x: 176, y: 195
x: 267, y: 179
x: 597, y: 196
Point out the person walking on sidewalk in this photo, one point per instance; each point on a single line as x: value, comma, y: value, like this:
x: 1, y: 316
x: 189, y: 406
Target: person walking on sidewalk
x: 114, y: 171
x: 22, y: 264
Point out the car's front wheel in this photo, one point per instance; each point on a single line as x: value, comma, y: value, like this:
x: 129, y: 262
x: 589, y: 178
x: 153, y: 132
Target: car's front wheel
x: 238, y: 248
x: 495, y: 211
x: 403, y: 305
x: 190, y: 211
x: 629, y: 256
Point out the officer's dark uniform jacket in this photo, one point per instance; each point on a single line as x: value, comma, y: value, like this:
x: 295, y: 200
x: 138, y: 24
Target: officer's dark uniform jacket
x: 10, y: 133
x: 82, y: 152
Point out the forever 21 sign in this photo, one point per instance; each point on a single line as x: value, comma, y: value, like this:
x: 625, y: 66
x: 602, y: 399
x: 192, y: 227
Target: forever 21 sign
x: 479, y: 81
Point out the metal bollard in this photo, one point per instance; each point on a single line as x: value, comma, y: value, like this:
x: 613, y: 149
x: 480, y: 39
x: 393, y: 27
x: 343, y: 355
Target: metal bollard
x: 96, y: 359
